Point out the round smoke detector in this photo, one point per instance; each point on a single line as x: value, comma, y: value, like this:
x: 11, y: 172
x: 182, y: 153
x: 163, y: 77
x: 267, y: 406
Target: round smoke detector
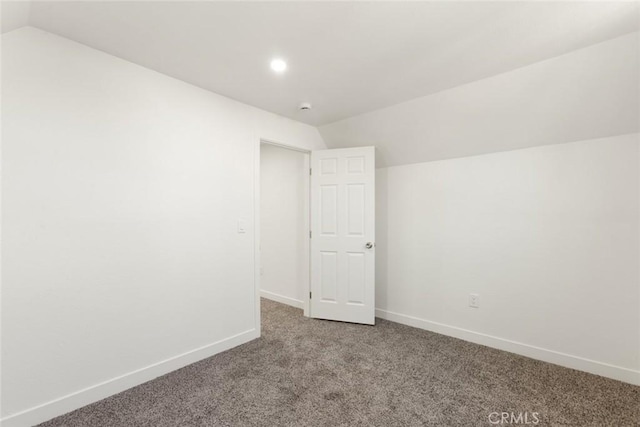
x: 305, y: 106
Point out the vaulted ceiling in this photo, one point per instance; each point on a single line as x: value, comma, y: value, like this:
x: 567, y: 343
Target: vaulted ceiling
x: 390, y: 74
x: 586, y: 94
x: 345, y: 58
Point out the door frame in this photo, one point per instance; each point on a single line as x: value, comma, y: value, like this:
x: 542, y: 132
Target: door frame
x: 257, y: 220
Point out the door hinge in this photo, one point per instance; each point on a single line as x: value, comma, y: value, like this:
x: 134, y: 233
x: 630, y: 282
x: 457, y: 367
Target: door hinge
x: 309, y: 295
x: 310, y: 171
x: 310, y: 234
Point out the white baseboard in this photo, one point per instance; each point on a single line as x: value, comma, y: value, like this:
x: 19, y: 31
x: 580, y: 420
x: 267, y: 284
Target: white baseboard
x: 70, y: 402
x: 555, y: 357
x: 282, y: 299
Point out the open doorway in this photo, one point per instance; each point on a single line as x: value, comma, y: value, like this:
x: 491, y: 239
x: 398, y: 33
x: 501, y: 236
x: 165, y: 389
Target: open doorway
x: 315, y: 234
x: 284, y: 225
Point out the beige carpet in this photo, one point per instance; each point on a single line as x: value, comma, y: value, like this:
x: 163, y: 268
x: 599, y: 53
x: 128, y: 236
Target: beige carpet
x: 306, y: 372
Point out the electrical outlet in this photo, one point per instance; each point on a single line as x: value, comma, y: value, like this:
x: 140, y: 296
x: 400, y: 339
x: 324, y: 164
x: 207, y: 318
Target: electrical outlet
x: 474, y: 300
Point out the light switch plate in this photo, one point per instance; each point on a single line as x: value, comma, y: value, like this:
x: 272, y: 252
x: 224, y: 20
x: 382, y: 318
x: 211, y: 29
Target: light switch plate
x: 474, y: 300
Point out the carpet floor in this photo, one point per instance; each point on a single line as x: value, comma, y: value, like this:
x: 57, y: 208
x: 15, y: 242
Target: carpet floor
x: 306, y: 372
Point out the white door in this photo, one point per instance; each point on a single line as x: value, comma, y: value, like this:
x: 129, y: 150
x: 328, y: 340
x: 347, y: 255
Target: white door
x: 343, y: 235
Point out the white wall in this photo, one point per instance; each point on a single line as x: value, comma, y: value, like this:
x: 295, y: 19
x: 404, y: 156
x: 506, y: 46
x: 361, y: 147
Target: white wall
x: 284, y: 224
x: 585, y: 94
x: 14, y: 14
x: 547, y: 236
x: 122, y: 189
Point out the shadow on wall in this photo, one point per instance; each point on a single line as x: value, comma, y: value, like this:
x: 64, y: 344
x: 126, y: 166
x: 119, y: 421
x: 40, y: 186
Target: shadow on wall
x: 381, y: 237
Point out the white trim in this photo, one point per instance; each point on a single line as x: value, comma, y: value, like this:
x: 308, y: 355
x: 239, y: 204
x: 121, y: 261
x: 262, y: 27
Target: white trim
x: 306, y: 248
x: 257, y: 322
x: 569, y: 361
x: 78, y: 399
x: 306, y: 287
x: 285, y: 146
x: 282, y: 299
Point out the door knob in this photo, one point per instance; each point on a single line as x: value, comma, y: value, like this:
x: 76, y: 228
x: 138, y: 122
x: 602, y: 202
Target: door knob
x: 369, y: 245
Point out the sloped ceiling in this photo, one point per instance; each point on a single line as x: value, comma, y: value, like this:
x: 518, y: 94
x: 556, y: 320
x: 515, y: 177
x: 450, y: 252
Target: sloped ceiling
x: 420, y: 80
x: 586, y: 94
x: 14, y: 15
x: 345, y: 58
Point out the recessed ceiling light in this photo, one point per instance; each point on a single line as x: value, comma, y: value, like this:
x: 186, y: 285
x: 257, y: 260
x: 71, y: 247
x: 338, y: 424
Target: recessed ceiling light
x: 278, y: 65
